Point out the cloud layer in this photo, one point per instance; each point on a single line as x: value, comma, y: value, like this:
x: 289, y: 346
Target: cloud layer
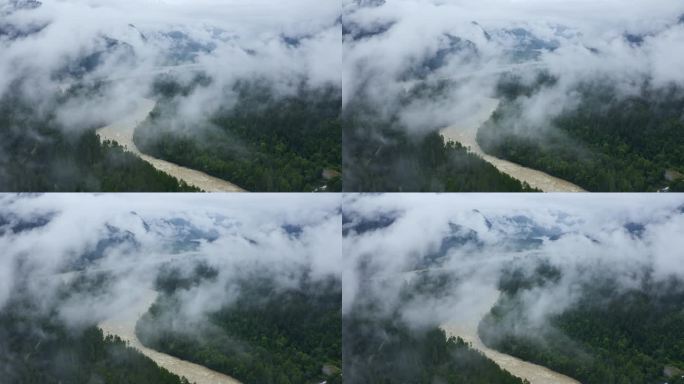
x: 391, y: 46
x: 127, y: 43
x: 50, y: 239
x: 394, y: 239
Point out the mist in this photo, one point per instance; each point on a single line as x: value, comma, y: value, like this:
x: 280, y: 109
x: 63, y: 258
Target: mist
x: 52, y: 46
x: 394, y: 241
x: 52, y: 240
x: 391, y: 47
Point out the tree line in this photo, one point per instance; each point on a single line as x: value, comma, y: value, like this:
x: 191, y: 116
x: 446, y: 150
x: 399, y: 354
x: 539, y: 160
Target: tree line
x: 267, y: 335
x: 38, y: 347
x: 39, y: 155
x: 264, y: 142
x: 611, y: 335
x: 380, y: 156
x: 380, y: 347
x: 608, y: 143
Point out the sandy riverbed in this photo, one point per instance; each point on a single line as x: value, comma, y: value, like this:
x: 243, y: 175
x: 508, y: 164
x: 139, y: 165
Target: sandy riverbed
x: 465, y: 132
x: 122, y: 131
x: 123, y: 325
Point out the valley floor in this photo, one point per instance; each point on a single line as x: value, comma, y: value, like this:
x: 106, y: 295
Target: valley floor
x: 467, y: 330
x: 466, y: 133
x: 123, y: 325
x: 122, y: 131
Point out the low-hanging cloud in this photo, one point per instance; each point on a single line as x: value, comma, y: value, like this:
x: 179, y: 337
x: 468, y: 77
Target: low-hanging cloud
x: 49, y: 240
x: 392, y: 240
x: 392, y: 46
x: 50, y: 47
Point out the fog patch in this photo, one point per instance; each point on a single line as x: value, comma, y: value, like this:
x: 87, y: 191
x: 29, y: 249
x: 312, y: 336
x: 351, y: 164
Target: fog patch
x: 570, y: 241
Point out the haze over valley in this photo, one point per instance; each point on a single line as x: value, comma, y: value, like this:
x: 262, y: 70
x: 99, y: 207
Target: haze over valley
x: 245, y: 94
x: 589, y: 95
x: 137, y: 291
x: 491, y: 288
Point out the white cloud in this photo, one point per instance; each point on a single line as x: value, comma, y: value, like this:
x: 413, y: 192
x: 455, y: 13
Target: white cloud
x: 584, y: 236
x: 583, y: 40
x: 227, y: 39
x: 246, y: 233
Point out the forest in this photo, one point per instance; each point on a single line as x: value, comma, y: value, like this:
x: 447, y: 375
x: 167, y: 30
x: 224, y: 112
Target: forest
x: 608, y: 143
x: 386, y: 351
x: 381, y: 157
x: 382, y: 348
x: 267, y: 335
x: 264, y: 142
x: 38, y: 347
x: 37, y: 155
x: 611, y: 335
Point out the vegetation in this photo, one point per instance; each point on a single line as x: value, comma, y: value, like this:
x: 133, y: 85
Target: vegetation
x: 610, y: 336
x: 381, y: 157
x: 262, y: 143
x: 380, y: 348
x: 37, y: 347
x: 37, y: 156
x: 385, y: 352
x: 607, y: 143
x: 268, y: 335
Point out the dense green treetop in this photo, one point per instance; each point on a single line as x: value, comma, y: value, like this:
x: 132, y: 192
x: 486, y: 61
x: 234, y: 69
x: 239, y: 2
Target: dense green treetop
x: 262, y: 142
x: 611, y: 335
x: 608, y: 142
x: 380, y: 156
x: 268, y: 334
x: 39, y: 155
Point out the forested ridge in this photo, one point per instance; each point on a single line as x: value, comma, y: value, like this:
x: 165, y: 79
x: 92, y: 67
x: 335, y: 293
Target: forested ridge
x: 37, y: 155
x: 386, y: 352
x: 267, y: 335
x: 611, y: 335
x: 380, y: 347
x: 38, y: 347
x: 380, y: 156
x: 607, y: 143
x: 264, y: 142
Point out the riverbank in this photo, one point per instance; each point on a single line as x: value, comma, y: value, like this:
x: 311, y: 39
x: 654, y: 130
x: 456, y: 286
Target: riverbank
x: 123, y: 326
x: 122, y: 131
x: 466, y: 329
x: 465, y: 132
